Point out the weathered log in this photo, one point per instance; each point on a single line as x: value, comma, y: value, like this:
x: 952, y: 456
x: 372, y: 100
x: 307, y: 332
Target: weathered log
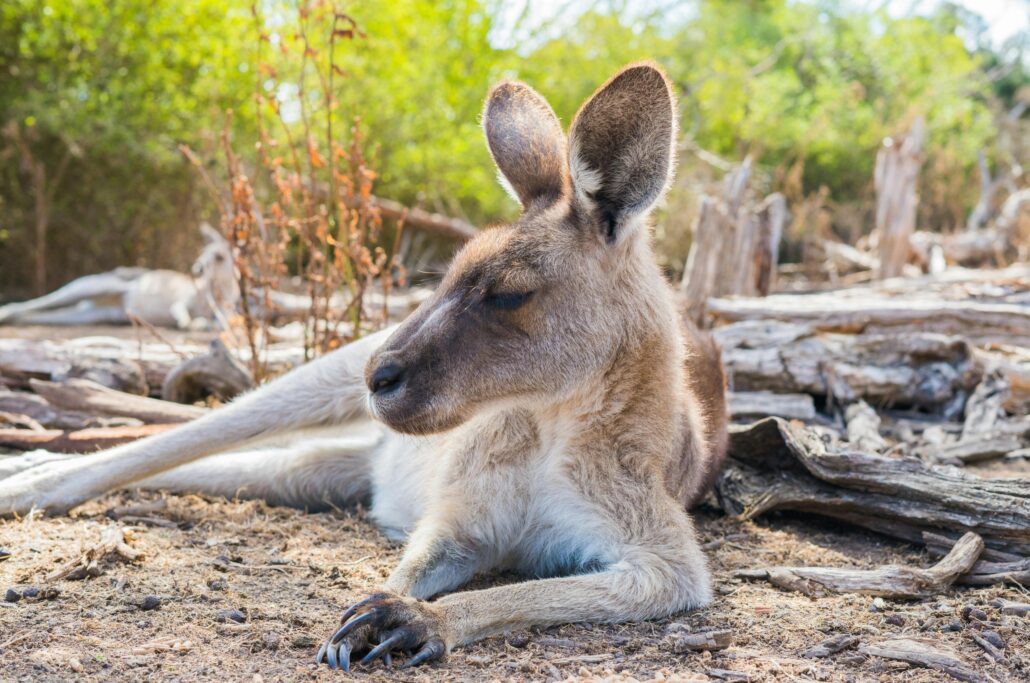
x: 827, y: 312
x: 896, y: 178
x: 892, y: 581
x: 22, y: 360
x: 928, y: 653
x: 925, y: 371
x: 216, y: 374
x: 753, y: 404
x: 92, y: 398
x: 775, y: 465
x: 81, y: 441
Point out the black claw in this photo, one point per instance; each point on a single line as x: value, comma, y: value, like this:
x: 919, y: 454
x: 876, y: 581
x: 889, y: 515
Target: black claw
x: 434, y: 649
x: 349, y: 612
x: 331, y: 656
x: 352, y: 624
x: 321, y: 652
x: 344, y: 656
x: 388, y: 660
x: 382, y: 648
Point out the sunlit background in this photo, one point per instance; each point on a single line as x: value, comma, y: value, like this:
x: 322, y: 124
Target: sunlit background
x: 96, y: 97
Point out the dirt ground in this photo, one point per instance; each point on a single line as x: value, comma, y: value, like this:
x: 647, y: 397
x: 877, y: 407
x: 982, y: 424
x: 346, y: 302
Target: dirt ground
x: 287, y: 575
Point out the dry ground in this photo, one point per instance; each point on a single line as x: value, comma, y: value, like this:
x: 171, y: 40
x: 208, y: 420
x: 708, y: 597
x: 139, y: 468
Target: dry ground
x: 290, y: 573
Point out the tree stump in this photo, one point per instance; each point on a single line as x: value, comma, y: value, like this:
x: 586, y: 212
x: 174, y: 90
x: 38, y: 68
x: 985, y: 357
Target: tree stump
x: 896, y: 178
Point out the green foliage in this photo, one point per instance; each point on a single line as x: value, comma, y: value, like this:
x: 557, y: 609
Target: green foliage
x: 809, y: 87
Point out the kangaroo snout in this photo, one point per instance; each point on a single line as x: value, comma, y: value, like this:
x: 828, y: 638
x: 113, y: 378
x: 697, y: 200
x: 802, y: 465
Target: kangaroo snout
x: 386, y: 378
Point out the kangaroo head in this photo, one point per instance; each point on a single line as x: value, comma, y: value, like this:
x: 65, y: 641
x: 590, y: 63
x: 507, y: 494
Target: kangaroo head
x: 215, y: 268
x: 530, y: 311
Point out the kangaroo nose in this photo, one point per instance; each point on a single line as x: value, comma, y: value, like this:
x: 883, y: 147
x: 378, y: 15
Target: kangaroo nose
x: 386, y: 378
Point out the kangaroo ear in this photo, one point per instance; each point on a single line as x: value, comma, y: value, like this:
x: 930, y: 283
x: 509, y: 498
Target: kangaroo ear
x: 209, y: 234
x: 621, y: 147
x: 526, y: 142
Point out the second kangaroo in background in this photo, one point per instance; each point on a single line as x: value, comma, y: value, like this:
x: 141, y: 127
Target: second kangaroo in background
x: 545, y: 410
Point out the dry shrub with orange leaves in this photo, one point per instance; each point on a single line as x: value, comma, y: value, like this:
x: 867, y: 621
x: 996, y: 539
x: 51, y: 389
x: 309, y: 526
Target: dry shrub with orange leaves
x: 308, y: 210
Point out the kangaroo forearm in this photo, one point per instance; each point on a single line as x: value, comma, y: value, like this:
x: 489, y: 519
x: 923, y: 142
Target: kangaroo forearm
x: 608, y: 596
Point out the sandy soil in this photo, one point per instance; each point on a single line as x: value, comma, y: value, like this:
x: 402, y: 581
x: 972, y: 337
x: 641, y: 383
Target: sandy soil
x: 288, y: 574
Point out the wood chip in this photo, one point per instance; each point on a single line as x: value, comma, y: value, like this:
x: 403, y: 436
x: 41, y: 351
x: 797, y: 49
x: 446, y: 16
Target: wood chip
x: 831, y: 646
x: 680, y: 640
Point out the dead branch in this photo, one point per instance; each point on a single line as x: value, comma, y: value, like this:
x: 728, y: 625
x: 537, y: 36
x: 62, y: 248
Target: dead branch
x: 831, y: 646
x: 114, y: 540
x: 892, y: 581
x: 928, y: 653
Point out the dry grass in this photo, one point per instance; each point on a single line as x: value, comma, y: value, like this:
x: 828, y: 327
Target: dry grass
x: 291, y: 573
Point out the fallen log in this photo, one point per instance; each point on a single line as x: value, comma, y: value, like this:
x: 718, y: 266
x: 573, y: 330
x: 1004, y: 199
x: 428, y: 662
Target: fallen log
x: 774, y: 465
x: 928, y: 372
x: 89, y: 397
x: 892, y: 581
x: 876, y: 314
x: 755, y: 404
x: 928, y: 653
x: 81, y: 441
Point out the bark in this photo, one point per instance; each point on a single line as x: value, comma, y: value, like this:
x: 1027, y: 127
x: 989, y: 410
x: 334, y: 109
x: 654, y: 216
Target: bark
x: 436, y: 223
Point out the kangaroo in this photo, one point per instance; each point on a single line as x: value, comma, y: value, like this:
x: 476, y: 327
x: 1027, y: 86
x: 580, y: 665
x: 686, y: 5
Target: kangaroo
x: 163, y: 298
x: 544, y: 411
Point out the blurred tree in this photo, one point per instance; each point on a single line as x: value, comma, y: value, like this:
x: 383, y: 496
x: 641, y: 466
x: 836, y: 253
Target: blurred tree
x: 94, y: 94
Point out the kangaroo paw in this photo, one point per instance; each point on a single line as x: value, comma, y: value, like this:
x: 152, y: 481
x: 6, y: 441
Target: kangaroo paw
x: 381, y: 625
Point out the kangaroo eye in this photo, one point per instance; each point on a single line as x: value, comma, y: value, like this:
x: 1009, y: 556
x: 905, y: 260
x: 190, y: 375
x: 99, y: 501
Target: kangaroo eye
x: 507, y: 301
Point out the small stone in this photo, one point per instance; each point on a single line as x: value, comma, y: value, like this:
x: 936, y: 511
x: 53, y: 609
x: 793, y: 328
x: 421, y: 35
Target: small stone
x: 226, y: 615
x: 272, y: 640
x: 30, y: 592
x: 150, y: 602
x: 895, y: 620
x: 303, y: 642
x: 4, y: 554
x: 50, y: 593
x: 971, y: 613
x: 519, y: 640
x: 12, y: 595
x: 75, y: 665
x: 879, y: 605
x: 953, y: 626
x: 994, y: 639
x: 218, y: 584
